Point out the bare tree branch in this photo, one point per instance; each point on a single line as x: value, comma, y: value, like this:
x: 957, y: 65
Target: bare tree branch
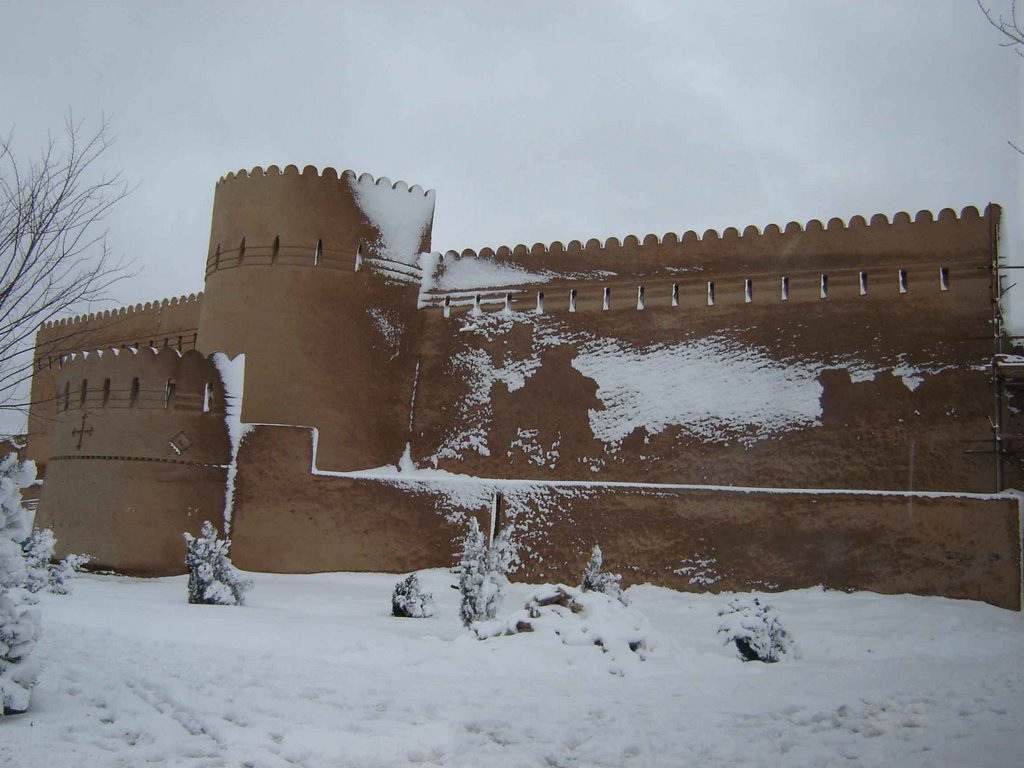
x: 1013, y: 37
x: 1009, y: 28
x: 53, y: 253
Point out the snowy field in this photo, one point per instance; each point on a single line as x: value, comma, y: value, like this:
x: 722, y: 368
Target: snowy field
x: 314, y: 672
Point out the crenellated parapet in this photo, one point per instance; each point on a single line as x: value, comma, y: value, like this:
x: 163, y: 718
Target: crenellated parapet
x: 880, y: 257
x: 123, y: 312
x: 171, y: 322
x: 900, y: 234
x: 327, y: 173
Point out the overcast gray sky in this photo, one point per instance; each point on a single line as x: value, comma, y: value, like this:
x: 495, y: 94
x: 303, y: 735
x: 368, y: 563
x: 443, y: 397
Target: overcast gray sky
x: 534, y: 121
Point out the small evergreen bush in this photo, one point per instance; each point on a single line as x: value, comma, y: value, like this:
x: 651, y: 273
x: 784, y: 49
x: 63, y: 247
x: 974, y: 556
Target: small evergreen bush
x: 594, y: 580
x: 482, y: 573
x: 409, y: 601
x: 212, y: 579
x: 756, y: 631
x: 44, y: 574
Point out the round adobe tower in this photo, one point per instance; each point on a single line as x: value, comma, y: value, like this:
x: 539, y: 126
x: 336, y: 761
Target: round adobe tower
x: 315, y: 278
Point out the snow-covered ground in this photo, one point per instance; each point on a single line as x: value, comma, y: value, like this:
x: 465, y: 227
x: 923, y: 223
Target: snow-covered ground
x: 313, y: 671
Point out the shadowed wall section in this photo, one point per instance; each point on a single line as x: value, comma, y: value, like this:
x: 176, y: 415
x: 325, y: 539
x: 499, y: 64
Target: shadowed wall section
x: 291, y: 521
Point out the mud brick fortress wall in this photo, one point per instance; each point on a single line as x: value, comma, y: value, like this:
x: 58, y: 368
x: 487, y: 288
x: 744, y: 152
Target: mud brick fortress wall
x: 808, y: 404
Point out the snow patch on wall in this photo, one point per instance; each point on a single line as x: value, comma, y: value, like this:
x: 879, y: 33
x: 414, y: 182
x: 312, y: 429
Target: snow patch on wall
x: 389, y: 327
x: 911, y: 374
x: 701, y: 568
x: 400, y: 217
x: 473, y: 420
x: 714, y: 388
x: 454, y: 273
x: 232, y: 376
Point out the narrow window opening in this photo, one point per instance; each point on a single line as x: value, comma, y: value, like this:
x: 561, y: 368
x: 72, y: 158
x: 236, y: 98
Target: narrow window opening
x: 785, y: 288
x: 711, y: 293
x: 169, y: 394
x: 206, y: 397
x: 640, y: 297
x: 67, y: 395
x: 84, y: 393
x: 277, y: 249
x: 748, y: 290
x: 823, y: 292
x: 863, y: 283
x: 106, y: 392
x: 675, y: 294
x: 508, y: 302
x: 540, y: 302
x: 495, y: 528
x: 943, y: 278
x: 903, y: 281
x: 318, y: 253
x: 133, y: 399
x: 241, y: 251
x: 447, y: 306
x: 572, y: 300
x: 476, y: 304
x: 359, y: 258
x: 179, y: 343
x: 607, y: 301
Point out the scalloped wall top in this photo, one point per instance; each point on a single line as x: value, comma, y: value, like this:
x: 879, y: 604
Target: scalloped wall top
x: 730, y: 234
x: 149, y: 306
x: 327, y: 173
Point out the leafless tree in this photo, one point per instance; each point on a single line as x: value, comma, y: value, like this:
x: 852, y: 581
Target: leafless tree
x: 54, y: 256
x: 1013, y: 35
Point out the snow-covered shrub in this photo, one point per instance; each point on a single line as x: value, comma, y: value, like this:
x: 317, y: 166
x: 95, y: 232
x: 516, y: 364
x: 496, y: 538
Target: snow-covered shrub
x: 62, y: 573
x: 756, y: 631
x: 19, y: 617
x: 482, y: 573
x: 579, y: 618
x: 472, y: 575
x: 594, y: 580
x: 409, y: 601
x: 212, y: 579
x: 42, y: 573
x: 38, y: 550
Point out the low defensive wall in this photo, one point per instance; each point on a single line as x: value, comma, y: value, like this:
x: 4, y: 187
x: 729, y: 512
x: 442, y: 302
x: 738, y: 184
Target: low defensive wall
x: 291, y: 519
